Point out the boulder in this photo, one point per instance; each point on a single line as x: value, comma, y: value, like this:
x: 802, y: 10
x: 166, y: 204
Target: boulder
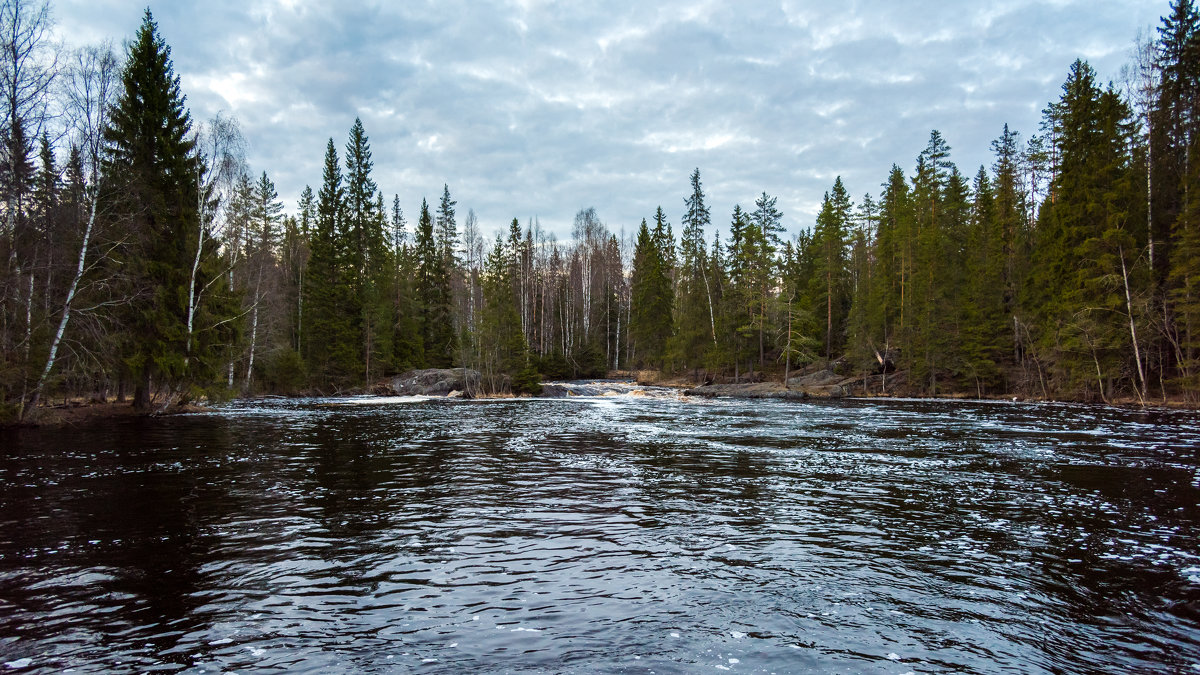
x: 437, y: 382
x: 820, y: 378
x: 748, y: 390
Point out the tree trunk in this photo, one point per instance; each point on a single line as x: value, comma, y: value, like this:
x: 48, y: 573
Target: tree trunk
x: 253, y: 331
x: 828, y: 315
x: 1137, y: 354
x: 141, y: 394
x: 712, y: 318
x: 192, y: 295
x: 787, y: 360
x: 66, y: 314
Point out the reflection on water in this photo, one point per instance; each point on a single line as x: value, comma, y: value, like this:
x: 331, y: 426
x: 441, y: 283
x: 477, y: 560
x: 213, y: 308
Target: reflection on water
x: 614, y: 534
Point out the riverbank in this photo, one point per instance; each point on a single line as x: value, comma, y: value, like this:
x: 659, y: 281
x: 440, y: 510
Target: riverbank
x: 76, y: 412
x: 825, y: 384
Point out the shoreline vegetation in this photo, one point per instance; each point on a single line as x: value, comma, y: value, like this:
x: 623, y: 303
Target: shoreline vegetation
x: 155, y: 268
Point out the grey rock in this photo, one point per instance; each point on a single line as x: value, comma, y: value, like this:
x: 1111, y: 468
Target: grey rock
x: 437, y: 382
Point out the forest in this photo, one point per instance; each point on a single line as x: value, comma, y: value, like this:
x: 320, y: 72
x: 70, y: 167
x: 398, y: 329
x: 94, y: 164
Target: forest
x: 145, y: 261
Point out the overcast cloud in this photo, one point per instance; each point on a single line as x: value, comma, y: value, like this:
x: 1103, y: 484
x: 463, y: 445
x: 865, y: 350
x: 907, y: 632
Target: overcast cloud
x: 530, y: 108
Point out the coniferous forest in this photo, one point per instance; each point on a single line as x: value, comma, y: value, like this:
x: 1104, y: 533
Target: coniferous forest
x: 143, y: 260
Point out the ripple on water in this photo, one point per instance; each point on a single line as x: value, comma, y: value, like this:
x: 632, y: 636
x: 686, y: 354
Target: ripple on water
x: 621, y: 533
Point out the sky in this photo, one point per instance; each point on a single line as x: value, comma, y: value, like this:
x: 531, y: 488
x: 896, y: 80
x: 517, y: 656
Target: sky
x: 537, y: 109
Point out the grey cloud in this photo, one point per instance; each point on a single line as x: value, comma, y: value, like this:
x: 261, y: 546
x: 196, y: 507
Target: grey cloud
x: 535, y: 108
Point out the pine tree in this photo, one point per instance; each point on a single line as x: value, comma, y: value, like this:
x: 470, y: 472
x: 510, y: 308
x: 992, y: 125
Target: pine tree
x: 768, y: 219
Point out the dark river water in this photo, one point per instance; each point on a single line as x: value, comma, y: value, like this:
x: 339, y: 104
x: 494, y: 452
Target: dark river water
x: 617, y: 534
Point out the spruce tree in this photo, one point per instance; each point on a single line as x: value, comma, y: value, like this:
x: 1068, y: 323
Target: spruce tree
x: 262, y: 255
x: 862, y: 280
x: 650, y: 289
x: 826, y: 292
x: 368, y: 259
x: 758, y: 250
x: 333, y: 341
x: 1176, y: 184
x: 502, y: 342
x: 739, y: 294
x: 447, y: 230
x: 433, y: 294
x: 1083, y: 238
x: 150, y: 166
x: 696, y: 330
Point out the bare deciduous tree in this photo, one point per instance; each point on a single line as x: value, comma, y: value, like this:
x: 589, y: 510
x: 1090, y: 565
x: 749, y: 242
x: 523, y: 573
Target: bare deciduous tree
x: 90, y: 89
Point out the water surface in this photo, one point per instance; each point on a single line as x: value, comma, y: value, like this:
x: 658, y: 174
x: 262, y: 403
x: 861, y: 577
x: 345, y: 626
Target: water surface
x: 610, y: 534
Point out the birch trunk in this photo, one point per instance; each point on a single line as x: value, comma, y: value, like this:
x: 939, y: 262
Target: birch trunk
x: 253, y: 331
x: 191, y: 309
x: 66, y: 314
x: 1137, y: 354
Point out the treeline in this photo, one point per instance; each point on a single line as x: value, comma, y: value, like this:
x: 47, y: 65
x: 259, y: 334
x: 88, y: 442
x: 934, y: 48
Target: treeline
x: 142, y: 259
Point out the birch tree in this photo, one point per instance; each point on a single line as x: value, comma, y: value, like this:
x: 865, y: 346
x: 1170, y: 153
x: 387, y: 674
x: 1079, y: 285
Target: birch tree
x: 221, y: 161
x: 91, y: 90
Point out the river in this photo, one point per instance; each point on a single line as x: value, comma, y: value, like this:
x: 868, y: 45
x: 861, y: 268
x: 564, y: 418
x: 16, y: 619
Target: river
x: 617, y: 534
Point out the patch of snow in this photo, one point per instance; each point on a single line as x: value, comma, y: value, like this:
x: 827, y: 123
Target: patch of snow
x: 737, y: 635
x: 893, y: 656
x: 19, y: 663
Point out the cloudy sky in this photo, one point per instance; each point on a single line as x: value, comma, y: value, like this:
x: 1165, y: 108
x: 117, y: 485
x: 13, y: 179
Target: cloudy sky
x: 528, y: 108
